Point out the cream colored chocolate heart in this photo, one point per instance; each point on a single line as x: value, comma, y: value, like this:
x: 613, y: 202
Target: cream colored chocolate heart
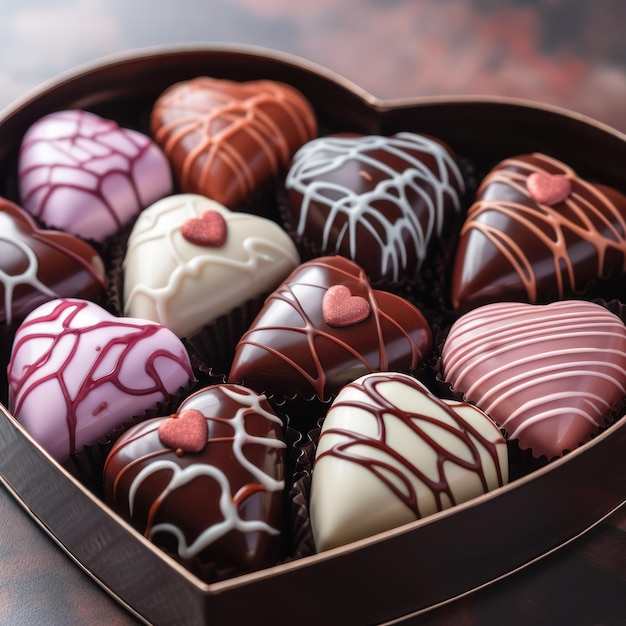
x: 549, y: 374
x: 391, y: 452
x: 184, y: 286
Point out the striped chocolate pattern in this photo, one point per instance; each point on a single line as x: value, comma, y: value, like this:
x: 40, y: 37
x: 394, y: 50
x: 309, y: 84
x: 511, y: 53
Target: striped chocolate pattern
x: 548, y: 374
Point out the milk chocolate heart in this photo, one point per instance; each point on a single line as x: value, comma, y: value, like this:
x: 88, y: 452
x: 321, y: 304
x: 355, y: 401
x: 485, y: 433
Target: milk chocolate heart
x: 185, y: 286
x: 537, y: 232
x: 225, y: 139
x: 77, y: 372
x: 391, y: 452
x: 86, y: 175
x: 39, y: 265
x: 290, y: 349
x: 186, y: 431
x: 380, y: 201
x: 549, y: 374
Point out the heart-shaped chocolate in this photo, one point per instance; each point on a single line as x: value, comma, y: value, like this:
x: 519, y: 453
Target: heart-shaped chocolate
x: 551, y: 375
x: 379, y: 201
x: 220, y: 510
x: 391, y: 452
x: 39, y: 265
x: 77, y: 372
x: 535, y: 233
x: 86, y: 175
x: 548, y: 189
x: 185, y: 286
x: 291, y: 350
x: 186, y: 431
x: 208, y: 230
x: 341, y: 308
x: 226, y: 140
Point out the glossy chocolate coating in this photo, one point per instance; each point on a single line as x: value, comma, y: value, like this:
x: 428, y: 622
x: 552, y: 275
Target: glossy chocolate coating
x: 549, y: 374
x: 391, y: 452
x: 87, y: 175
x: 514, y: 248
x: 380, y: 201
x: 77, y: 372
x: 218, y: 510
x: 291, y: 350
x: 225, y: 139
x: 39, y: 265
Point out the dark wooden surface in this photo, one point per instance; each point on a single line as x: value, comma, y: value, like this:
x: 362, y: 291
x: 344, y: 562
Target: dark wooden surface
x: 570, y: 53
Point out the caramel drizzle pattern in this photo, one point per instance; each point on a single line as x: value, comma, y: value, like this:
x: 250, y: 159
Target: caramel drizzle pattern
x: 260, y: 481
x: 584, y: 200
x: 240, y: 116
x: 496, y: 339
x: 71, y: 147
x: 312, y: 332
x: 65, y: 312
x: 404, y: 471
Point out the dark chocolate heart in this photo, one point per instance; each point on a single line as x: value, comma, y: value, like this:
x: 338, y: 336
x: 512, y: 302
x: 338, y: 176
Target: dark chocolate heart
x: 537, y: 232
x: 291, y: 350
x: 381, y: 201
x: 226, y: 139
x: 39, y: 265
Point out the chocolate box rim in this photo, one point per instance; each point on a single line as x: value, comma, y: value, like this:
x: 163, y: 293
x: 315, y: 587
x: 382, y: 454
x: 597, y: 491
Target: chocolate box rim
x: 203, y: 595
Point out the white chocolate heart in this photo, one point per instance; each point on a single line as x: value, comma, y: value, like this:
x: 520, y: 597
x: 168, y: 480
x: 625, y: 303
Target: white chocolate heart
x: 391, y: 452
x: 184, y: 286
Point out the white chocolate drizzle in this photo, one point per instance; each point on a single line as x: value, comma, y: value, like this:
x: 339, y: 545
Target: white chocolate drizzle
x: 315, y: 162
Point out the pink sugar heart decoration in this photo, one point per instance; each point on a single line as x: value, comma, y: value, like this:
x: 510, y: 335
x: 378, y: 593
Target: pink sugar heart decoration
x: 208, y: 230
x: 548, y: 189
x: 341, y: 308
x: 186, y: 431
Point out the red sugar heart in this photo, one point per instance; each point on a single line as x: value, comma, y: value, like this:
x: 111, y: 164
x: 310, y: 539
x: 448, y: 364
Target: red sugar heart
x: 208, y: 230
x: 341, y: 308
x: 548, y: 189
x: 186, y: 431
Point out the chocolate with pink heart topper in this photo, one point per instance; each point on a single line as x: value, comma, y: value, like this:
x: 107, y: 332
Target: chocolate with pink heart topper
x: 537, y: 232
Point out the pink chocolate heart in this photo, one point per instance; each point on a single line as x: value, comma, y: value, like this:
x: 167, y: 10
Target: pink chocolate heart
x: 341, y: 308
x: 208, y: 230
x: 186, y: 431
x: 86, y: 175
x: 77, y: 372
x: 548, y: 189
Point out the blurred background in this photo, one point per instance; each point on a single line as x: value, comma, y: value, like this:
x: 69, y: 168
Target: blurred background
x: 570, y: 53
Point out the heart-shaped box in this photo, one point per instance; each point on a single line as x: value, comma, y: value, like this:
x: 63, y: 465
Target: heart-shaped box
x: 402, y: 572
